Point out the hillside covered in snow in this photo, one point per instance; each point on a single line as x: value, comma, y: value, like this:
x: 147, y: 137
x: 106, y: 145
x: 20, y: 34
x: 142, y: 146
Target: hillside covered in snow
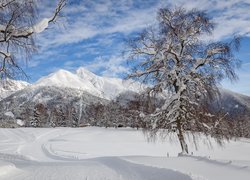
x: 9, y: 86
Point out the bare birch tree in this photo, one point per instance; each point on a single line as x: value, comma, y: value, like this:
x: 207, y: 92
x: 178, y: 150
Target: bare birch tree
x: 179, y: 66
x: 18, y: 24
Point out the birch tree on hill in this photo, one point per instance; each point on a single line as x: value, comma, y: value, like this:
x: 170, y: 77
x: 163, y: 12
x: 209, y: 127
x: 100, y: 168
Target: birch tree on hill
x: 18, y: 24
x: 179, y: 66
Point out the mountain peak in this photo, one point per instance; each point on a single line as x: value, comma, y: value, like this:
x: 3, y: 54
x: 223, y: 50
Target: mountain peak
x: 85, y: 74
x: 64, y: 78
x: 83, y: 79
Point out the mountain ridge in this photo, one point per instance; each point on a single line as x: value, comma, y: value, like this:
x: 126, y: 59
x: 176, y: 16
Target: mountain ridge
x: 85, y: 80
x: 82, y: 79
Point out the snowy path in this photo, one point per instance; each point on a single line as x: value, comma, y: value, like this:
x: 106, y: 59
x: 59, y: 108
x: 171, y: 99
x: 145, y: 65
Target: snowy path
x: 113, y: 154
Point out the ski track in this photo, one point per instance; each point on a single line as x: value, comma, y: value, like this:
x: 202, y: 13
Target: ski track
x: 64, y: 153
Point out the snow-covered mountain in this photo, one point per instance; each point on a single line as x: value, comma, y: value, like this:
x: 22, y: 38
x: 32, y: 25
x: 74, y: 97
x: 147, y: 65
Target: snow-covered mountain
x: 63, y: 94
x: 68, y: 93
x: 82, y: 79
x: 8, y: 87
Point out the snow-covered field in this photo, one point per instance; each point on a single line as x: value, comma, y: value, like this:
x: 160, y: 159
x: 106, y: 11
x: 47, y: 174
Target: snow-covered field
x: 115, y: 154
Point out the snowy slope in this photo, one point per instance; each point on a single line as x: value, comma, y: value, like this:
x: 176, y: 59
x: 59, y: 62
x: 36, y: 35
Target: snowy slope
x: 238, y: 98
x: 8, y: 87
x: 21, y: 104
x: 115, y: 154
x: 83, y: 79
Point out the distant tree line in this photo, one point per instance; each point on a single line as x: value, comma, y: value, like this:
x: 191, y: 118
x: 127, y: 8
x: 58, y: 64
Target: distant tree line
x: 134, y: 113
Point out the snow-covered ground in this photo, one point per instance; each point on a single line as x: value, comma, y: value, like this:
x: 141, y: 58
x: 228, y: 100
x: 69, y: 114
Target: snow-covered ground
x: 115, y: 154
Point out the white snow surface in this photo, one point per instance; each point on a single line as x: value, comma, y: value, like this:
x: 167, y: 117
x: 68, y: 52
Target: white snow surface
x: 82, y: 79
x: 115, y: 154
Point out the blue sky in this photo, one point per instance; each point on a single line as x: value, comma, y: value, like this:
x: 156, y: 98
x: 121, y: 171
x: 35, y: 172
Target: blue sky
x: 92, y: 33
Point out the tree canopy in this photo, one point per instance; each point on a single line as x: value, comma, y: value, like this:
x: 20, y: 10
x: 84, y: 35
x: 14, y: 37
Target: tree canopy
x: 185, y: 70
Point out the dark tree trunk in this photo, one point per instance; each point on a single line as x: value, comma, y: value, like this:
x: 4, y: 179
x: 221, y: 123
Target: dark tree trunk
x: 184, y: 147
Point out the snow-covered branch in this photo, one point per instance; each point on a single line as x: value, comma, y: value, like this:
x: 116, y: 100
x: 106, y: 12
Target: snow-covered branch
x: 17, y: 28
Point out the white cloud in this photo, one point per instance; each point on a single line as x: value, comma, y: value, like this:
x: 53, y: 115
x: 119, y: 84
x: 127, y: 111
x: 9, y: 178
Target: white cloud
x: 89, y: 18
x: 109, y: 66
x: 33, y: 63
x: 97, y: 19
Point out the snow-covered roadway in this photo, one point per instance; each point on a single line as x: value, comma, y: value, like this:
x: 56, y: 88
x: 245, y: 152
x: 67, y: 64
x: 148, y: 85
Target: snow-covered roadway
x: 114, y: 154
